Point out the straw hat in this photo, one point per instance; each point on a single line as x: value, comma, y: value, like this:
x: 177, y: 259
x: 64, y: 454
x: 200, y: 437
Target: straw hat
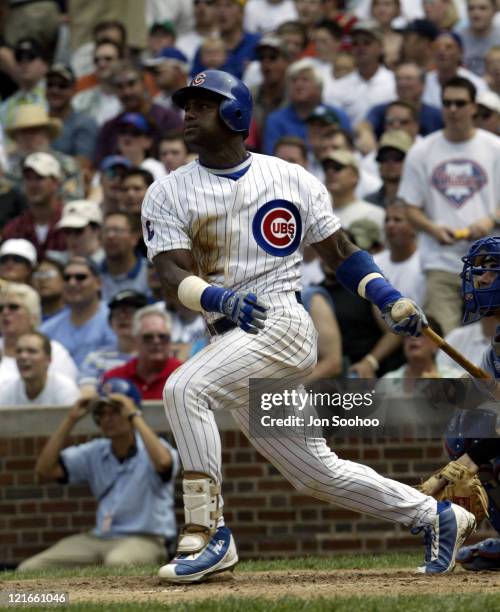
x: 32, y: 116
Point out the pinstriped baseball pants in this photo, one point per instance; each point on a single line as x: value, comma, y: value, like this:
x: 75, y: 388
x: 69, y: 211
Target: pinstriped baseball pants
x: 216, y: 378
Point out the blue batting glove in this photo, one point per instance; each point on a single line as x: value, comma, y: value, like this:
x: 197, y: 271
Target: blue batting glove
x: 245, y: 310
x: 411, y: 325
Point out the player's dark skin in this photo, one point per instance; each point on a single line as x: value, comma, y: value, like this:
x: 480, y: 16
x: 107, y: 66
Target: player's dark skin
x: 218, y: 147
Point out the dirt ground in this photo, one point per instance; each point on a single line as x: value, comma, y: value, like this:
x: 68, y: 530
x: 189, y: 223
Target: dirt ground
x: 273, y: 585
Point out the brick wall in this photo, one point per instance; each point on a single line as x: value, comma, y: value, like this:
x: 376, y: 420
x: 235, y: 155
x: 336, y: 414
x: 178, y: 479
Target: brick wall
x: 268, y: 517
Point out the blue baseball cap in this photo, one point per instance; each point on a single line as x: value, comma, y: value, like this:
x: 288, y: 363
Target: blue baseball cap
x: 117, y: 385
x: 114, y: 160
x: 166, y: 53
x: 136, y: 120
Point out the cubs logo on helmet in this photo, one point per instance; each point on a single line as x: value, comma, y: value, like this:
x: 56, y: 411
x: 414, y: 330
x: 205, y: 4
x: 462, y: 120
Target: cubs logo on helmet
x: 277, y: 228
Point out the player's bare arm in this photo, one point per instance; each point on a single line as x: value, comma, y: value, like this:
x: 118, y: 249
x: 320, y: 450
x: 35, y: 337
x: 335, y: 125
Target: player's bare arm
x: 357, y: 272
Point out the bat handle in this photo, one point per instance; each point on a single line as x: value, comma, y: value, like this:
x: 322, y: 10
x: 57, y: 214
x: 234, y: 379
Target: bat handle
x: 401, y: 310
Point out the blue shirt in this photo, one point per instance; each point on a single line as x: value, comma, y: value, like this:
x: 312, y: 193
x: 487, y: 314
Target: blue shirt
x: 131, y: 496
x: 96, y: 363
x: 286, y: 122
x: 78, y: 136
x: 430, y: 119
x: 237, y: 58
x: 136, y: 279
x: 81, y: 340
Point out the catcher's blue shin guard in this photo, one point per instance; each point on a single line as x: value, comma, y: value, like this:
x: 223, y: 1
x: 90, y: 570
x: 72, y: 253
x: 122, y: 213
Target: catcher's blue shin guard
x: 451, y: 527
x: 218, y: 555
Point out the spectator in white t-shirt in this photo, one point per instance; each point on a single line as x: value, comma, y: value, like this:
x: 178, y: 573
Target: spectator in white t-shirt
x: 400, y: 262
x: 35, y: 385
x: 371, y: 83
x: 205, y: 24
x: 451, y: 181
x: 341, y: 178
x: 263, y: 16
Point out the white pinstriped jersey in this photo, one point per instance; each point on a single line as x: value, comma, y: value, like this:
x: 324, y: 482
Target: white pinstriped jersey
x: 245, y: 234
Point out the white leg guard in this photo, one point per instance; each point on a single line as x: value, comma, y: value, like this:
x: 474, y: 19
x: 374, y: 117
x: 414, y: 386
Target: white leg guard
x: 202, y: 510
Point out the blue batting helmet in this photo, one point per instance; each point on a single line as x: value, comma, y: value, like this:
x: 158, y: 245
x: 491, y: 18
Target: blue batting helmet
x: 483, y: 256
x: 235, y: 108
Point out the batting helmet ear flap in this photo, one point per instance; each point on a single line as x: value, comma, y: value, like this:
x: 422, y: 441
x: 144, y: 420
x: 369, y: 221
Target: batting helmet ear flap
x: 235, y: 115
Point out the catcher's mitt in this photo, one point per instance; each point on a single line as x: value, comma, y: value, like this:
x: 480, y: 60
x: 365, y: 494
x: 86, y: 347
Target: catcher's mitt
x: 457, y: 484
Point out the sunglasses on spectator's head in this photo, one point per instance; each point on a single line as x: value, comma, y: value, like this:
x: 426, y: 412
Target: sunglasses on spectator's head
x: 25, y: 56
x: 11, y: 306
x: 208, y: 2
x: 15, y: 258
x: 79, y: 276
x: 148, y: 338
x: 448, y: 103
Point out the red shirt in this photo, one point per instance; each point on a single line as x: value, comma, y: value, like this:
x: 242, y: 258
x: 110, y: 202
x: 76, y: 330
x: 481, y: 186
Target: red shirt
x: 23, y: 226
x: 152, y: 390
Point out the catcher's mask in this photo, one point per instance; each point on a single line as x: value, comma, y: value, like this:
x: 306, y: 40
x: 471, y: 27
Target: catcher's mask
x: 481, y: 279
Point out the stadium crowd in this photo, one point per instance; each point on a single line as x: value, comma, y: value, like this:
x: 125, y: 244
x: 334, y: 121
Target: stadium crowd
x: 393, y: 104
x: 355, y: 91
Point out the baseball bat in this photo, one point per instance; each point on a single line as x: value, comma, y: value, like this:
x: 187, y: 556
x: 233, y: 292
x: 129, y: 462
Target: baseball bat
x: 404, y: 308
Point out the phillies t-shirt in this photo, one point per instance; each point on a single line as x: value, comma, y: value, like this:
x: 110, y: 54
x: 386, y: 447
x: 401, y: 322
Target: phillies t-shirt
x: 455, y: 184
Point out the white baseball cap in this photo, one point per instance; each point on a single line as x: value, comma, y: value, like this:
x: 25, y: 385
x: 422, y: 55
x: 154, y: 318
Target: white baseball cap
x: 20, y: 247
x: 80, y: 213
x: 490, y: 100
x: 44, y: 164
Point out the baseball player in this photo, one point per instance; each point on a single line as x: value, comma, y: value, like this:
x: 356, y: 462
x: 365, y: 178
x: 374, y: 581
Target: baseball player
x: 226, y: 234
x: 481, y: 291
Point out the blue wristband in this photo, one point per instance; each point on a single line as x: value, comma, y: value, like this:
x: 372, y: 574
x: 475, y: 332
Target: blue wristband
x: 214, y: 298
x: 358, y: 265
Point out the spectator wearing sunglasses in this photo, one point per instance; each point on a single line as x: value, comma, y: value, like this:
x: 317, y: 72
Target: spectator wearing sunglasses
x: 48, y: 281
x: 79, y: 131
x: 487, y: 115
x: 135, y: 142
x: 99, y: 100
x: 34, y: 385
x: 154, y: 362
x: 392, y: 150
x: 81, y: 223
x: 129, y: 83
x: 20, y: 313
x: 121, y: 312
x: 17, y: 260
x: 450, y: 182
x: 29, y: 72
x: 82, y: 327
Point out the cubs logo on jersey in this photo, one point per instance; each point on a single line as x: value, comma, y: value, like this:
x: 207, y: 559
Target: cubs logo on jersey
x: 458, y: 180
x: 277, y: 228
